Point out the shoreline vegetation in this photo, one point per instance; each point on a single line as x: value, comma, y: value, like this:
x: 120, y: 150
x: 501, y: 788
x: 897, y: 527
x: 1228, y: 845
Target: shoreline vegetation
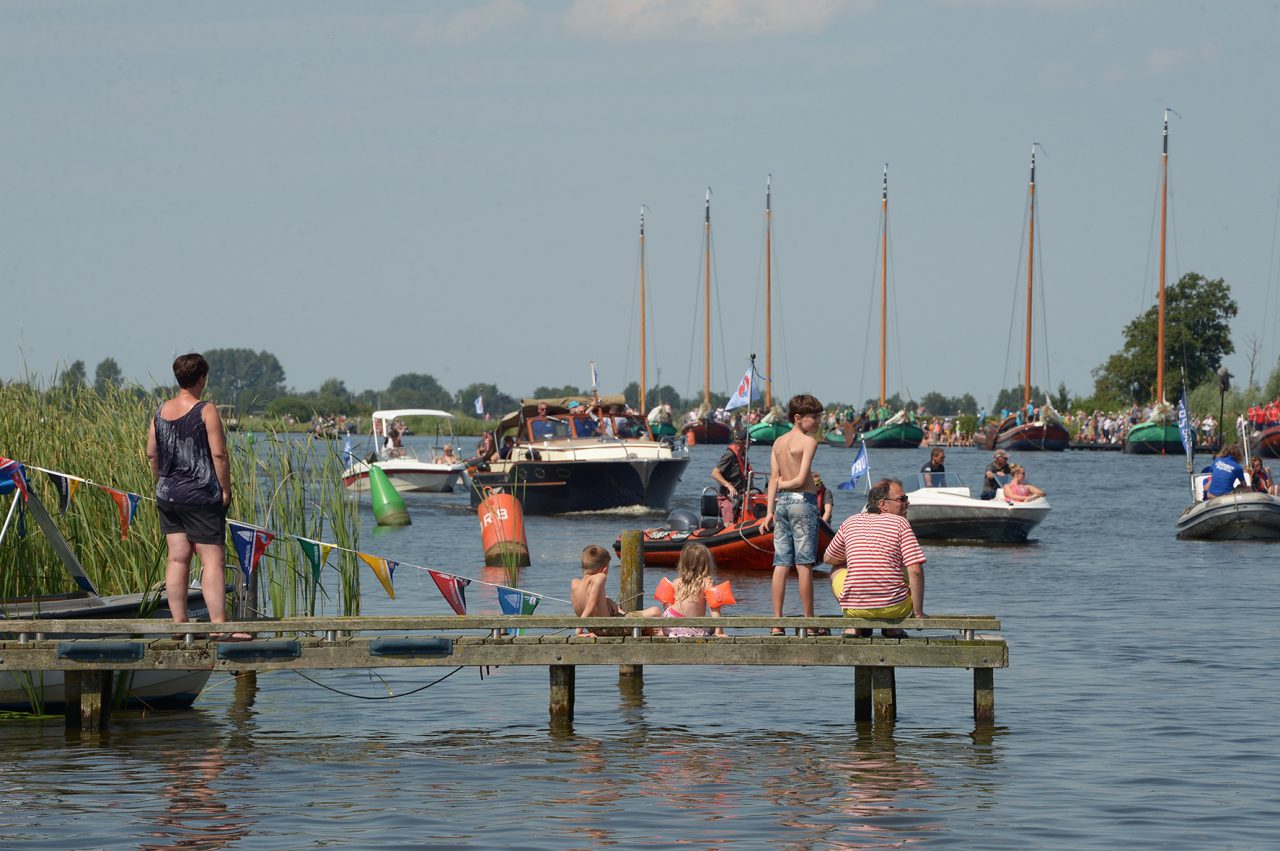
x: 287, y: 485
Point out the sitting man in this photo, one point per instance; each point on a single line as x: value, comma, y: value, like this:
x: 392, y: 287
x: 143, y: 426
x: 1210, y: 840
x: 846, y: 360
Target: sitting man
x: 1227, y: 474
x: 999, y: 466
x: 882, y: 560
x: 934, y: 473
x: 542, y: 428
x: 584, y: 425
x: 588, y: 594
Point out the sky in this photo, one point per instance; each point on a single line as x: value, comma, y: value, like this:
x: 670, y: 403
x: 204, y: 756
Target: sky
x: 455, y: 188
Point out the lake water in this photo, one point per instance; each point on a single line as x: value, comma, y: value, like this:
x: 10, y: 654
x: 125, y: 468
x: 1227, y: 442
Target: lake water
x: 1137, y: 711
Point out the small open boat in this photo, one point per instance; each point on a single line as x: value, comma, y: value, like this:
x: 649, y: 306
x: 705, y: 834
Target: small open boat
x: 943, y: 509
x: 740, y: 545
x: 404, y: 469
x: 1236, y: 516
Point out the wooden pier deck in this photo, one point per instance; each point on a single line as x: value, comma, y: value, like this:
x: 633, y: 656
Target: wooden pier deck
x: 78, y: 648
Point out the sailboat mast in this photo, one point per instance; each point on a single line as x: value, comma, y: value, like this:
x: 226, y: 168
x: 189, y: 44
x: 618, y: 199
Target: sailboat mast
x: 768, y: 292
x: 706, y: 318
x: 643, y: 377
x: 1031, y: 251
x: 1164, y: 197
x: 884, y: 276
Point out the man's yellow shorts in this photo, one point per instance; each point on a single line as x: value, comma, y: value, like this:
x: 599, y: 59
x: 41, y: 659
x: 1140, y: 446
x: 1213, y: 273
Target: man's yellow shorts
x: 895, y: 612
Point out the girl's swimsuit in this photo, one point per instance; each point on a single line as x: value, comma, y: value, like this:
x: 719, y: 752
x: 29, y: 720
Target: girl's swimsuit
x: 682, y: 631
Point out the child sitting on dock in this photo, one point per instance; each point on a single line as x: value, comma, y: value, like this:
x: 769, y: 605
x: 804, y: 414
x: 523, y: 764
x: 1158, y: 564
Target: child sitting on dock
x: 588, y: 593
x: 695, y: 568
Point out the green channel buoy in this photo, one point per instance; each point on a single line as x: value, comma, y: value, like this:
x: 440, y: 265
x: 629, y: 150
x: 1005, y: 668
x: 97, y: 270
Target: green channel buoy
x: 388, y: 505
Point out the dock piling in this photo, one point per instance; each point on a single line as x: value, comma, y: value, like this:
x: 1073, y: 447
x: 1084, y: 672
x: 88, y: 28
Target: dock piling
x: 631, y: 579
x: 562, y: 687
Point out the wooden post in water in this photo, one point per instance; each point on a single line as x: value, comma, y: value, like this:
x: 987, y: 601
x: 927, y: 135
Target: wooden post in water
x: 631, y: 580
x: 883, y: 692
x: 984, y: 695
x: 562, y: 683
x: 861, y: 693
x: 87, y: 696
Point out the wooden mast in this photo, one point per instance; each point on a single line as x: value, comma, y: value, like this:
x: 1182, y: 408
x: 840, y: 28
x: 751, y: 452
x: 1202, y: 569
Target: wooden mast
x: 706, y: 319
x: 1164, y: 196
x: 768, y: 293
x: 884, y: 275
x: 1031, y: 252
x: 643, y: 378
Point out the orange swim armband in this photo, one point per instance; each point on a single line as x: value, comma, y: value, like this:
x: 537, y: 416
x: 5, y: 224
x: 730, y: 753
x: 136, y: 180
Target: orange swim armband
x: 666, y: 592
x: 720, y: 595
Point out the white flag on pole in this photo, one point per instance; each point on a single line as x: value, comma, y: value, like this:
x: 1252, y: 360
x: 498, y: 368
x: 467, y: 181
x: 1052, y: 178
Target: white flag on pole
x: 745, y: 394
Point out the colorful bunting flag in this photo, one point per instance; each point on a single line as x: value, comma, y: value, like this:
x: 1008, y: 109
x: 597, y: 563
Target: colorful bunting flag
x: 317, y: 553
x: 513, y: 601
x: 453, y: 588
x: 384, y: 569
x: 66, y: 489
x: 250, y: 544
x: 12, y: 471
x: 127, y: 506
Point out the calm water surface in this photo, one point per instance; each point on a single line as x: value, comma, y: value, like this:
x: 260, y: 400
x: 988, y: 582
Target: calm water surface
x: 1137, y: 711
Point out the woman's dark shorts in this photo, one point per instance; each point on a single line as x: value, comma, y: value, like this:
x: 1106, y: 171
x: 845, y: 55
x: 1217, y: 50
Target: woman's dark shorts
x: 202, y: 524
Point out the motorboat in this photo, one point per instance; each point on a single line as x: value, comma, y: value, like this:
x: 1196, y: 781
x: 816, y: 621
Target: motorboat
x: 569, y: 460
x: 1242, y: 515
x: 404, y: 468
x: 942, y: 508
x: 740, y: 545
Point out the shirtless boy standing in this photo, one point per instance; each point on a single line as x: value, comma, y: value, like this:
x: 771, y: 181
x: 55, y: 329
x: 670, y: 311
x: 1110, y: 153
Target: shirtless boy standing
x: 793, y: 506
x: 588, y: 595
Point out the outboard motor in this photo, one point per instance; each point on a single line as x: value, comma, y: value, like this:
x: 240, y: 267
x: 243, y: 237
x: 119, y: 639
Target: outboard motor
x: 682, y: 520
x: 710, y: 509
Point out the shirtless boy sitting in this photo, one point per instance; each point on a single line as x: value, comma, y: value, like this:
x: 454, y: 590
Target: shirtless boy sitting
x: 588, y: 595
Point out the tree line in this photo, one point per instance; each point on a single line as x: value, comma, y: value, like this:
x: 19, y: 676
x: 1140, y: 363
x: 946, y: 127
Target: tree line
x: 1198, y: 314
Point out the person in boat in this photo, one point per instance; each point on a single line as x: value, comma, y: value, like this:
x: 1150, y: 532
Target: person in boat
x: 584, y: 424
x: 485, y: 451
x: 187, y: 450
x: 883, y: 562
x: 793, y: 502
x: 1226, y: 474
x: 1018, y: 490
x: 508, y: 447
x: 446, y: 456
x: 393, y: 446
x: 695, y: 572
x: 588, y: 593
x: 999, y: 466
x: 1260, y: 477
x: 542, y: 428
x: 733, y: 474
x: 934, y: 472
x: 826, y: 505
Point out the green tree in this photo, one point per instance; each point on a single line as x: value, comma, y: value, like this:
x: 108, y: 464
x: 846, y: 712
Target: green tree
x: 333, y: 397
x: 1197, y: 337
x: 107, y: 375
x: 496, y: 402
x: 937, y: 404
x: 247, y: 379
x: 1011, y: 398
x: 73, y: 377
x: 554, y: 392
x: 416, y: 390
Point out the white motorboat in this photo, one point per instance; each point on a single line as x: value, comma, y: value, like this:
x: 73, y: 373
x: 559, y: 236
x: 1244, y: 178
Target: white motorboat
x: 943, y: 509
x: 405, y: 470
x: 1241, y: 515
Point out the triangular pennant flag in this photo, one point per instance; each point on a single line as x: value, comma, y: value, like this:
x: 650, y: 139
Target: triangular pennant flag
x: 453, y: 588
x: 317, y: 553
x: 63, y: 486
x: 384, y: 569
x: 513, y: 601
x: 22, y: 520
x: 127, y: 506
x: 12, y: 471
x: 250, y: 544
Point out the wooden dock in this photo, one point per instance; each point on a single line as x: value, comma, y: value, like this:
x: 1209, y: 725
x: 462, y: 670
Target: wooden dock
x: 77, y: 648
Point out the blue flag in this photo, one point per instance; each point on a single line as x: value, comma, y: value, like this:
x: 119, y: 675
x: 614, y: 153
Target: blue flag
x: 346, y: 450
x: 1184, y: 425
x: 861, y: 467
x: 513, y: 601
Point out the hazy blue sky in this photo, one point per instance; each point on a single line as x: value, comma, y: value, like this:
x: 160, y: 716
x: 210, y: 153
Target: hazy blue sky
x: 366, y: 189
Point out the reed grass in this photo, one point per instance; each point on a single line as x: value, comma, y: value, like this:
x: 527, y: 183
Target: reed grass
x: 287, y: 485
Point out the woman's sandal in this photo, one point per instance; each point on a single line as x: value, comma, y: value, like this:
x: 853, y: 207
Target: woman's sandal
x: 822, y: 630
x: 777, y: 630
x: 230, y: 636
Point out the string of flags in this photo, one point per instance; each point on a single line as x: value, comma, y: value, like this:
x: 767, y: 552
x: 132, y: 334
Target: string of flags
x: 251, y: 542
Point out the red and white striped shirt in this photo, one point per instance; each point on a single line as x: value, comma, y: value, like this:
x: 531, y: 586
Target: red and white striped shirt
x: 876, y: 549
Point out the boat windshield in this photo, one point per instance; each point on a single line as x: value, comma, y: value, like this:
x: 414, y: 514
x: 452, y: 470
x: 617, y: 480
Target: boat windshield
x: 568, y: 426
x: 939, y: 480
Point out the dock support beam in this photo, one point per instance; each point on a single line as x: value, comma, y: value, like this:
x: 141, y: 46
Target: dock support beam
x: 861, y: 693
x: 87, y: 696
x: 884, y: 692
x: 984, y: 695
x: 562, y: 687
x: 631, y: 580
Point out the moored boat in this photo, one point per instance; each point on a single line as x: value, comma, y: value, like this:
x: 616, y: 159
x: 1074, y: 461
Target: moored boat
x: 944, y: 509
x: 899, y: 432
x: 1267, y: 442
